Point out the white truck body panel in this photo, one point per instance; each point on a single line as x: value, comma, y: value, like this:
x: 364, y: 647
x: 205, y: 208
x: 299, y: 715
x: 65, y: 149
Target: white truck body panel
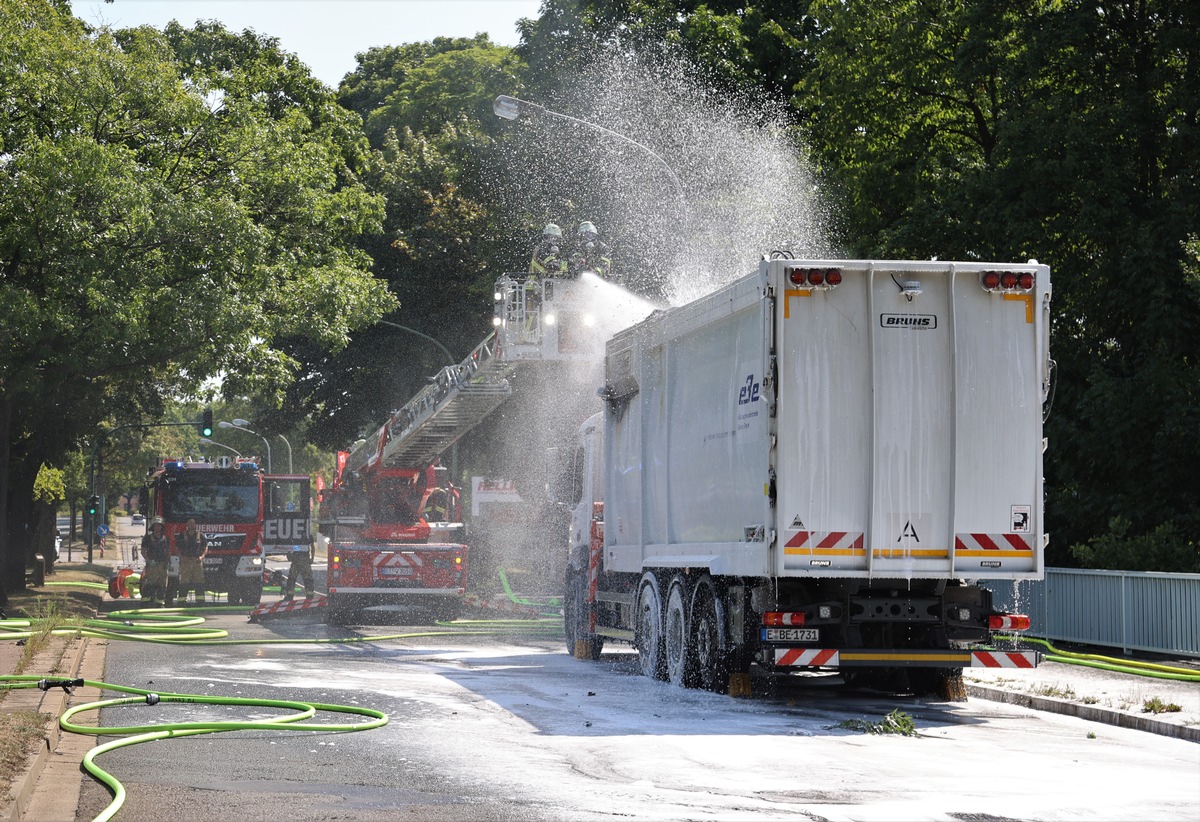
x: 898, y: 416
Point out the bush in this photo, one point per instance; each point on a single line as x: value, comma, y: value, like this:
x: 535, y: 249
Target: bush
x: 1164, y: 549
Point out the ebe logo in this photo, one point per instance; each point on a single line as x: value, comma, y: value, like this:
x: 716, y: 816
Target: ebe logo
x: 748, y: 392
x: 916, y: 322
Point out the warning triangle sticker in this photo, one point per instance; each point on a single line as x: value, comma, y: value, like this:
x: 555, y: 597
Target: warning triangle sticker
x: 796, y: 522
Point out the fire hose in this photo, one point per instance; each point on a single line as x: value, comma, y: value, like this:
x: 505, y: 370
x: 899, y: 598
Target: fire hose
x: 149, y: 732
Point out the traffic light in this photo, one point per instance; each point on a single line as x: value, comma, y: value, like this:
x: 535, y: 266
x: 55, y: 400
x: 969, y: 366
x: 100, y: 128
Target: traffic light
x: 93, y: 505
x: 206, y: 427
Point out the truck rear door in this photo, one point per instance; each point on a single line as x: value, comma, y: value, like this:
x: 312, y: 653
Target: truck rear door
x: 910, y: 418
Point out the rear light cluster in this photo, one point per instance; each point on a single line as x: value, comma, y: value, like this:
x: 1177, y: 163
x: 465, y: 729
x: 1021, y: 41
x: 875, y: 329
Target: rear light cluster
x: 815, y: 277
x: 1008, y: 622
x: 778, y: 619
x: 1006, y: 280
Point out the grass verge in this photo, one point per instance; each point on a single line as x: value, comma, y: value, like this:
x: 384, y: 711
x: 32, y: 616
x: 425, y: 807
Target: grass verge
x: 48, y: 607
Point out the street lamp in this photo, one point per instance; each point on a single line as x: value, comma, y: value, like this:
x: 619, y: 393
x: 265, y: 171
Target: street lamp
x: 510, y: 108
x: 289, y: 445
x: 208, y: 441
x: 449, y: 359
x: 240, y: 425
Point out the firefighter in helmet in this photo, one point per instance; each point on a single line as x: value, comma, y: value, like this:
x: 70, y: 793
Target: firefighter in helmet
x: 549, y: 260
x: 590, y: 252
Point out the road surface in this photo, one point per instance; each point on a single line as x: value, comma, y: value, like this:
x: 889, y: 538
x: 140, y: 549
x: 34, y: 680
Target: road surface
x: 496, y: 727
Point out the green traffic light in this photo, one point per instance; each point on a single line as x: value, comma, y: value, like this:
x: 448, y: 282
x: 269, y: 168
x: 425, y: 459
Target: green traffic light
x: 206, y: 426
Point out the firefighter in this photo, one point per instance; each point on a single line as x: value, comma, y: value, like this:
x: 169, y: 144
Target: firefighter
x: 155, y: 551
x: 548, y: 258
x: 301, y: 566
x: 193, y: 548
x: 590, y: 253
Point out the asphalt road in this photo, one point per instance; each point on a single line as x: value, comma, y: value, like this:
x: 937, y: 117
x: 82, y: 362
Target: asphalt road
x: 489, y: 727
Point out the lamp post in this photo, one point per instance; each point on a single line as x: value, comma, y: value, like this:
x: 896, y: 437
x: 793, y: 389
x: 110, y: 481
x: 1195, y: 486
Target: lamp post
x: 240, y: 425
x: 450, y: 361
x: 510, y: 108
x: 449, y: 357
x: 289, y: 445
x: 208, y: 441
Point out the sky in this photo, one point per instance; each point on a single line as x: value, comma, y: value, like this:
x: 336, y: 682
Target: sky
x: 326, y: 34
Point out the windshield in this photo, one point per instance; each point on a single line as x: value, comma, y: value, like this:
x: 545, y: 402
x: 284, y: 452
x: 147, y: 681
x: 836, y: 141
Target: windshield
x: 212, y: 501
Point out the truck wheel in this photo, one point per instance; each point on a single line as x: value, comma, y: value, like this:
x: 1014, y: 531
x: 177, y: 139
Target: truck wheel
x: 677, y: 636
x: 570, y: 609
x: 234, y: 594
x: 575, y: 621
x: 649, y: 629
x: 252, y: 592
x: 708, y: 638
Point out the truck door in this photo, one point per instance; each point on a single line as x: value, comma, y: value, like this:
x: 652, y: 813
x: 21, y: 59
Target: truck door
x: 287, y: 513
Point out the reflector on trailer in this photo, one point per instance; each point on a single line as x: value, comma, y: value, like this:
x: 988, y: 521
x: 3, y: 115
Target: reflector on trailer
x: 1008, y: 622
x: 778, y: 618
x: 990, y: 279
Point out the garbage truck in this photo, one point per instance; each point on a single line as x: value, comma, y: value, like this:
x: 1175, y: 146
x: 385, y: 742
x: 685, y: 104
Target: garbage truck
x: 812, y: 469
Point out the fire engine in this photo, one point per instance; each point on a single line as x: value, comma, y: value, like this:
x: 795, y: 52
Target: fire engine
x: 242, y: 512
x: 393, y: 514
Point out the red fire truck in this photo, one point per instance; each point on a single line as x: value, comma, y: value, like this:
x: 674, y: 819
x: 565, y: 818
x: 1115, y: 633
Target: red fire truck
x: 395, y: 539
x: 242, y: 512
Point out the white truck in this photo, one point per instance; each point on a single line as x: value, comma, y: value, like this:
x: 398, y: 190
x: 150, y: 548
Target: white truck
x: 813, y: 468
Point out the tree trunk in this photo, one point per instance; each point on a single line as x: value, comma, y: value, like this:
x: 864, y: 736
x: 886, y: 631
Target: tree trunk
x: 5, y: 425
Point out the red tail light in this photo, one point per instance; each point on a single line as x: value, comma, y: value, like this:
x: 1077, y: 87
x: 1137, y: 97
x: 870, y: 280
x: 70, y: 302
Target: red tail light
x: 775, y: 619
x: 1007, y: 280
x: 1008, y: 622
x: 815, y: 277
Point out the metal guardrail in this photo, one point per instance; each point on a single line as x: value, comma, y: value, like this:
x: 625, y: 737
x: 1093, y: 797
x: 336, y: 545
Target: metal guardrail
x: 1130, y: 610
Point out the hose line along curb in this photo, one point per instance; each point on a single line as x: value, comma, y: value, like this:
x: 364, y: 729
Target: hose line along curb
x: 296, y: 721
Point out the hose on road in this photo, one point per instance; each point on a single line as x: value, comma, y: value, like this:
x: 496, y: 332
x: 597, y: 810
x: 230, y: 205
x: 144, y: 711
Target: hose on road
x: 148, y: 732
x: 1114, y: 664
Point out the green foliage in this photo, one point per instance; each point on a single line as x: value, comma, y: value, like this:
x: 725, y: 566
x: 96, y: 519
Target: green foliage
x: 49, y: 488
x: 1155, y: 705
x: 897, y: 722
x: 171, y: 205
x: 1165, y: 548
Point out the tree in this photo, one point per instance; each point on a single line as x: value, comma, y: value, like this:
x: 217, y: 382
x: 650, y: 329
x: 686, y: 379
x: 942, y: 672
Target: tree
x: 171, y: 205
x: 1063, y: 132
x: 427, y: 107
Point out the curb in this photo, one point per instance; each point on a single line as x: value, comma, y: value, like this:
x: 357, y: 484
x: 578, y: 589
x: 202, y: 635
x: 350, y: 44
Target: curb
x: 1189, y: 733
x: 54, y: 703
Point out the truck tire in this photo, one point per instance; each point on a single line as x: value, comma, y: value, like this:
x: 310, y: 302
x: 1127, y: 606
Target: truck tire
x: 252, y: 592
x: 677, y: 644
x: 709, y: 640
x: 580, y: 643
x: 648, y: 630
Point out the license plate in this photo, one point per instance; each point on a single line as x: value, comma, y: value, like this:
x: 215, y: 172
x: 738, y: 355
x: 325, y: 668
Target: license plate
x: 396, y: 571
x: 791, y: 634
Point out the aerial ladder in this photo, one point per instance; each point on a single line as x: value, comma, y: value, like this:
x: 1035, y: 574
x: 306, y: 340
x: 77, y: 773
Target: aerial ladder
x: 543, y: 320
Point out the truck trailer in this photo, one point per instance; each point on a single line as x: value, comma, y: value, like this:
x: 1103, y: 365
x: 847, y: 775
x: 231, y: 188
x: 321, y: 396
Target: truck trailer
x: 813, y: 468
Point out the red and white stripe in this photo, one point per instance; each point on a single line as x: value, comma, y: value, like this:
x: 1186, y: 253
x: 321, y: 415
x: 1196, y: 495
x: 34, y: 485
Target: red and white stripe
x: 394, y: 560
x: 806, y: 657
x: 837, y: 540
x: 993, y: 542
x: 282, y: 607
x: 1004, y: 659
